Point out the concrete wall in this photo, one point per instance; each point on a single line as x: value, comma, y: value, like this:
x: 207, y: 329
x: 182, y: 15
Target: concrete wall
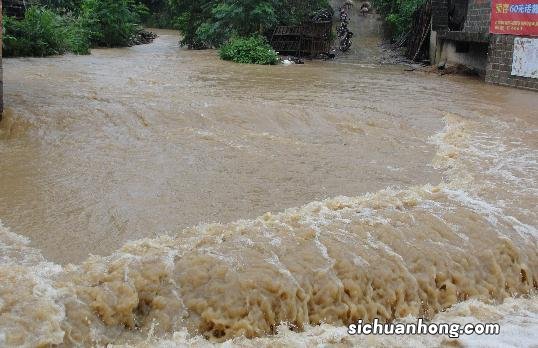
x: 469, y: 46
x: 439, y: 15
x: 471, y: 54
x: 478, y: 16
x: 500, y: 53
x: 499, y: 66
x: 490, y: 55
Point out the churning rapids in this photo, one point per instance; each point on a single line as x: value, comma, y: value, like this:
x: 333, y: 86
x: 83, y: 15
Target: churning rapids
x: 416, y: 197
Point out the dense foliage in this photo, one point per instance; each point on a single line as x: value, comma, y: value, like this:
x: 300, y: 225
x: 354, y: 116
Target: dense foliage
x: 249, y: 50
x: 59, y: 26
x: 111, y: 23
x: 161, y: 14
x: 62, y: 6
x: 42, y: 32
x: 398, y: 13
x: 210, y: 23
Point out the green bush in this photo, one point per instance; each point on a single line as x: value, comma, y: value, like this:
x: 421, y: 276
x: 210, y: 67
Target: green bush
x: 398, y: 14
x: 248, y: 50
x: 111, y: 23
x: 40, y: 33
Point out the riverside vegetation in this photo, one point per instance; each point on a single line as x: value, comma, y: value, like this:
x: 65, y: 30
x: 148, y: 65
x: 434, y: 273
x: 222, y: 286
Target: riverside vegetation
x: 238, y: 28
x: 57, y: 27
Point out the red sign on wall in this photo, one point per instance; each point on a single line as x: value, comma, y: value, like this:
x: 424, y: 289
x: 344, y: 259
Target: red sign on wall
x: 515, y: 17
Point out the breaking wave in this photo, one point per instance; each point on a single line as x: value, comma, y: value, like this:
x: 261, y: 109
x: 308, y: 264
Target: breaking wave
x: 447, y: 252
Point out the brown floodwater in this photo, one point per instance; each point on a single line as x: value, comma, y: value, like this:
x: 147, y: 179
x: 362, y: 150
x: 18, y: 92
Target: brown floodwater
x: 400, y: 193
x: 139, y: 142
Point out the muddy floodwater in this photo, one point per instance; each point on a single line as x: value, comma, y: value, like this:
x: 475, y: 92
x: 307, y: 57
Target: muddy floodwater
x: 131, y: 143
x: 159, y: 196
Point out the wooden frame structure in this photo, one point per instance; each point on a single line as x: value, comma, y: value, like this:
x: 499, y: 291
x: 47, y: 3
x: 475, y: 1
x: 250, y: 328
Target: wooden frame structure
x: 310, y: 39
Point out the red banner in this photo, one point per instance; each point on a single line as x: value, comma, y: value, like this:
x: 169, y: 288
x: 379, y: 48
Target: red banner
x: 515, y: 17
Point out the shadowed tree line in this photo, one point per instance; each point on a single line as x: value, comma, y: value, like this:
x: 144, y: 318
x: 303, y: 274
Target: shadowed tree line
x: 210, y: 23
x: 51, y: 27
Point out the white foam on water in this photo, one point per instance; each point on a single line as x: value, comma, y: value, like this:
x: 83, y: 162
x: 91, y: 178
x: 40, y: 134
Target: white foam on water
x: 394, y: 253
x: 518, y: 319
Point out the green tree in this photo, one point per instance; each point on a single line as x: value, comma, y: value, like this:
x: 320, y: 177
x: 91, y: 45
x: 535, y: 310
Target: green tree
x: 210, y: 23
x: 111, y: 23
x: 192, y: 15
x: 161, y: 13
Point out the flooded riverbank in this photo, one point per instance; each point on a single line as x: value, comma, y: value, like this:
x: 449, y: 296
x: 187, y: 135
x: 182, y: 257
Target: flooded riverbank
x: 414, y: 193
x: 125, y: 144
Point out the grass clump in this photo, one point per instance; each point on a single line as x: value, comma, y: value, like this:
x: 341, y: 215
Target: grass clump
x: 248, y: 50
